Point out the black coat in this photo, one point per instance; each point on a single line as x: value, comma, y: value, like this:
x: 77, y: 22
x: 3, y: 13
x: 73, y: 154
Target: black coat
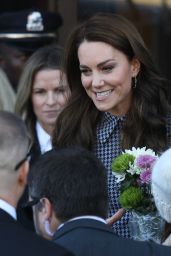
x: 25, y: 215
x: 16, y: 240
x: 87, y: 237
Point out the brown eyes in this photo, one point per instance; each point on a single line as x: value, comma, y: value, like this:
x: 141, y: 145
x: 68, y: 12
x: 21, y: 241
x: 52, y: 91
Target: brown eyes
x: 56, y: 90
x: 39, y: 91
x: 108, y: 68
x: 105, y: 69
x: 85, y: 71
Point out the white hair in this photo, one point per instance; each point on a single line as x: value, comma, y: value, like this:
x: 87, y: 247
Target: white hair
x: 161, y: 185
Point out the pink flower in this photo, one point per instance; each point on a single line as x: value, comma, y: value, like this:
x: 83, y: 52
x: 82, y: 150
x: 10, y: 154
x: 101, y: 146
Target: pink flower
x: 145, y: 176
x: 145, y: 161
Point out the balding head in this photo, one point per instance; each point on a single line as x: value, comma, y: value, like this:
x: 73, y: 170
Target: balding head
x: 14, y: 144
x: 14, y: 140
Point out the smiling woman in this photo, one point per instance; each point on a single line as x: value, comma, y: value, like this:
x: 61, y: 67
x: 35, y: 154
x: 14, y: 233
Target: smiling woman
x: 118, y: 99
x: 107, y: 78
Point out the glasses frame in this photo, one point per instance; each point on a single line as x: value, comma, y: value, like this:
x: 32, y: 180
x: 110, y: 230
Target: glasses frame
x: 32, y: 202
x: 26, y: 158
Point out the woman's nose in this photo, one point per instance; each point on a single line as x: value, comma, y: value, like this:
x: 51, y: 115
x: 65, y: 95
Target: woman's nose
x: 97, y: 80
x: 51, y: 98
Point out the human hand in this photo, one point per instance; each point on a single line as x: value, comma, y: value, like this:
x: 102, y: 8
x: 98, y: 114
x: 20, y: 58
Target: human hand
x: 117, y: 216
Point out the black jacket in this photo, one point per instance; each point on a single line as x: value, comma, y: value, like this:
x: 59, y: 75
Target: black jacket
x: 16, y: 240
x: 88, y: 237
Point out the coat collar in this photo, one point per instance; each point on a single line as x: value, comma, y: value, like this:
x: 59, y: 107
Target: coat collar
x: 4, y: 216
x: 81, y: 223
x: 107, y: 125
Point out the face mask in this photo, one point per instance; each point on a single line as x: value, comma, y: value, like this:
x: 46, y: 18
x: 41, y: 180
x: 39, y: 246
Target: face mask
x: 47, y: 228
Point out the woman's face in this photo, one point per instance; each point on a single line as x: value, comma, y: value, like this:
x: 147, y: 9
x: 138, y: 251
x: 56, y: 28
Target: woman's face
x: 49, y: 95
x: 106, y: 75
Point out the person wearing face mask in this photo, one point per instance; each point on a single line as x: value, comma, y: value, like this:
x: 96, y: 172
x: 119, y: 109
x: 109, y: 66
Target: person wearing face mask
x: 68, y: 194
x: 42, y: 94
x: 119, y: 97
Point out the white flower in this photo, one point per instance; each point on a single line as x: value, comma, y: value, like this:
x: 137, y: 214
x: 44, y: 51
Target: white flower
x: 133, y: 169
x: 140, y: 151
x: 119, y: 177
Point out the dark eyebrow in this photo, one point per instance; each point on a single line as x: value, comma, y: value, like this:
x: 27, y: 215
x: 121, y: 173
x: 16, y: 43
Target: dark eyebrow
x: 99, y: 65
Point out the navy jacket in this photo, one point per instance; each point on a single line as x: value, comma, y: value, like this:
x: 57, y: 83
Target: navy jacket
x: 16, y: 240
x: 88, y: 237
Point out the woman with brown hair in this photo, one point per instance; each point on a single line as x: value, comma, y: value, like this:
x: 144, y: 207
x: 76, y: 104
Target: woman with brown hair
x: 118, y: 100
x: 41, y: 96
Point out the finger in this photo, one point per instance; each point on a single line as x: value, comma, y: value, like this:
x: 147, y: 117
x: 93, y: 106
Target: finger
x: 117, y: 216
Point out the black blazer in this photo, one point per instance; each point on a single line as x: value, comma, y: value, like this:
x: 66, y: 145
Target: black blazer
x: 25, y: 215
x: 87, y: 237
x: 18, y: 241
x: 35, y: 151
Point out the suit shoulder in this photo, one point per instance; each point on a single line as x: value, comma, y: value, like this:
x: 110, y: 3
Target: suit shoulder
x: 25, y: 241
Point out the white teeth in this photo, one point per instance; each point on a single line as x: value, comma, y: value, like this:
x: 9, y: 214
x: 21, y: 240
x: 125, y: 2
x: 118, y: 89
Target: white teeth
x: 106, y: 93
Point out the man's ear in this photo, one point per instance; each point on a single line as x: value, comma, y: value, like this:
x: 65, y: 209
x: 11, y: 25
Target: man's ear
x: 48, y: 215
x: 135, y: 66
x: 22, y: 174
x: 45, y: 208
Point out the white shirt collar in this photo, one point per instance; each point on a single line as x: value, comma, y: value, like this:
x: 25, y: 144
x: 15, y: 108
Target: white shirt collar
x: 43, y: 138
x: 8, y: 208
x: 84, y: 217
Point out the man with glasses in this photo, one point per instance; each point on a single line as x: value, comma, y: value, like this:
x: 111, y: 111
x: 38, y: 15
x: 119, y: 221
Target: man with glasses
x: 14, y: 146
x: 68, y: 193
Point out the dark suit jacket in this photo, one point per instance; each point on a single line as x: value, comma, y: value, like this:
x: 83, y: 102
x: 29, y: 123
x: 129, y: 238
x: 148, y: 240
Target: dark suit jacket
x: 35, y: 149
x: 87, y: 237
x: 18, y: 241
x: 25, y: 215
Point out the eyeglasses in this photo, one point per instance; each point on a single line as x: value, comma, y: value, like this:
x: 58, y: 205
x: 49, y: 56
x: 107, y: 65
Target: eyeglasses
x: 31, y: 203
x: 26, y: 158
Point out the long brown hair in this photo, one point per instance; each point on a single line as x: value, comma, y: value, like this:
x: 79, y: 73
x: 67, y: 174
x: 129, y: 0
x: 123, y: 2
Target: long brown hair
x: 48, y: 57
x: 146, y: 120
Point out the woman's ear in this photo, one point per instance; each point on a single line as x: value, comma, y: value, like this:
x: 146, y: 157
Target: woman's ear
x: 135, y: 67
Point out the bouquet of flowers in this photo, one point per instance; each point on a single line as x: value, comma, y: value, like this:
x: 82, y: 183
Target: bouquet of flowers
x: 132, y: 170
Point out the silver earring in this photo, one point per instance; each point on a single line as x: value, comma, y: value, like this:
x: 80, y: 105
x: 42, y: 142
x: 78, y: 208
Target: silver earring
x: 135, y: 83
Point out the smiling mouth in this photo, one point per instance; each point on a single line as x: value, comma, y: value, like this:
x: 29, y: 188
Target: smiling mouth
x: 103, y: 94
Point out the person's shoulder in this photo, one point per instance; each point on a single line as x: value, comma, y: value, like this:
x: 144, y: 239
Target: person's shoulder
x: 160, y: 250
x: 46, y: 247
x: 35, y: 244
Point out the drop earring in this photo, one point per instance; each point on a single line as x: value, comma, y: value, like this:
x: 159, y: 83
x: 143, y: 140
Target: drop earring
x: 134, y: 82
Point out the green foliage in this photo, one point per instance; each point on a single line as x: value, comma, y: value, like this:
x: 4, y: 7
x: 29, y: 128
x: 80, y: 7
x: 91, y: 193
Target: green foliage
x: 131, y: 198
x: 121, y: 163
